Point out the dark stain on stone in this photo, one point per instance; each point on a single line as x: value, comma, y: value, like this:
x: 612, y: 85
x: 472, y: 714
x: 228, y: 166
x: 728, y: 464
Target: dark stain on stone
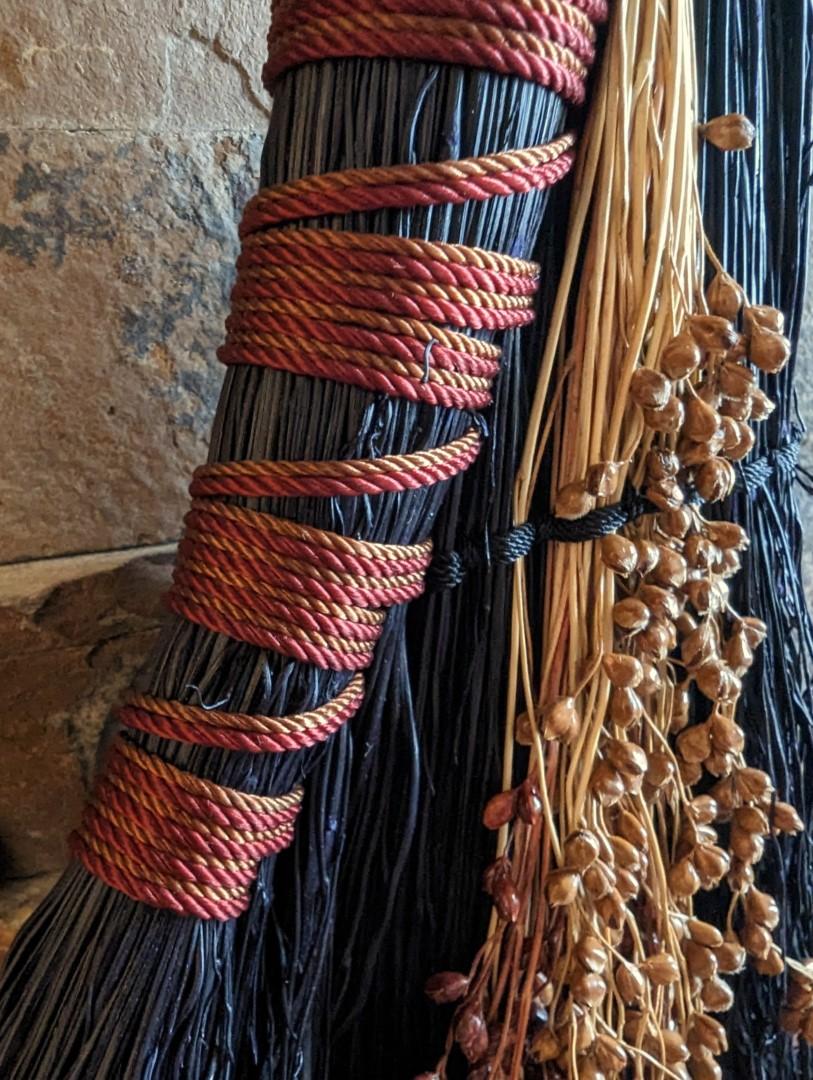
x: 5, y: 142
x: 21, y: 243
x: 154, y: 322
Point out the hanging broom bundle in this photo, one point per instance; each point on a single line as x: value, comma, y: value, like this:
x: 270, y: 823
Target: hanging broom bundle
x: 639, y: 797
x: 246, y: 858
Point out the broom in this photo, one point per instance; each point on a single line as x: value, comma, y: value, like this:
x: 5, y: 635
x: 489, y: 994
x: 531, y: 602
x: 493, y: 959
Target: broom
x: 201, y: 986
x: 601, y: 964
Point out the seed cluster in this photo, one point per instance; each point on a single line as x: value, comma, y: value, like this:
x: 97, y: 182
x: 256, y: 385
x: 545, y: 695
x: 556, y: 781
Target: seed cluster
x: 627, y: 972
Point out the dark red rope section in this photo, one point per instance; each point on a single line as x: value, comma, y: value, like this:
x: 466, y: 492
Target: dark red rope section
x: 551, y: 42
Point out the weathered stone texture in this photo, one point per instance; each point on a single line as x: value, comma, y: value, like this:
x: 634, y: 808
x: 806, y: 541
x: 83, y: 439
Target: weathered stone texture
x: 74, y: 632
x: 117, y: 259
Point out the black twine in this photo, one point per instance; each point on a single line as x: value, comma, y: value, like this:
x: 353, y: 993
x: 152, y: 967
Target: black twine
x: 448, y: 569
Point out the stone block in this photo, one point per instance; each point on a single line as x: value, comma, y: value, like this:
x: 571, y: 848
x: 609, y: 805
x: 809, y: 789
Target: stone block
x: 116, y: 257
x: 74, y: 633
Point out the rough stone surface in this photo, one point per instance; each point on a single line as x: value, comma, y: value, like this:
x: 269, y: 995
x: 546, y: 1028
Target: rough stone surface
x: 72, y: 642
x: 17, y: 901
x: 117, y: 259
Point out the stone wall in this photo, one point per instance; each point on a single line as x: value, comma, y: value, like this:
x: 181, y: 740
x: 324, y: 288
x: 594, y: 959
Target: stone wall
x: 130, y: 137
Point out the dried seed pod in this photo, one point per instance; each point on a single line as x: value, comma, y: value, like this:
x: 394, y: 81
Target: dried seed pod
x: 658, y: 639
x: 703, y: 809
x: 573, y: 501
x: 711, y: 863
x: 648, y: 555
x: 623, y: 671
x: 699, y: 647
x: 663, y: 603
x: 701, y: 420
x: 736, y: 380
x: 496, y: 871
x: 626, y: 757
x: 684, y: 881
x: 581, y: 849
x: 675, y: 523
x: 757, y: 940
x: 667, y: 419
x: 738, y: 653
x: 661, y: 770
x: 619, y: 553
x: 630, y: 983
x: 700, y: 960
x: 769, y: 350
x: 715, y: 479
x: 717, y: 995
x: 730, y: 955
x: 754, y: 630
x: 770, y: 318
x: 706, y: 1069
x: 662, y: 464
x: 602, y: 478
x: 681, y: 356
x: 632, y: 829
x: 675, y: 1050
x: 611, y: 910
x: 524, y: 728
x: 626, y: 883
x: 588, y: 988
x: 712, y: 332
x: 733, y: 131
x: 726, y: 736
x: 724, y: 296
x: 471, y: 1033
x: 529, y: 802
x: 694, y: 743
x: 665, y: 494
x: 631, y: 614
x: 700, y: 552
x: 761, y: 405
x: 704, y: 933
x: 741, y: 876
x: 506, y: 899
x: 743, y: 443
x: 785, y: 819
x: 599, y: 880
x: 737, y: 408
x: 446, y: 986
x: 708, y: 1033
x: 790, y: 1021
x: 589, y: 1069
x: 500, y: 809
x: 591, y: 953
x: 729, y: 564
x: 771, y: 965
x: 753, y: 785
x: 610, y: 1055
x: 562, y: 888
x: 751, y: 819
x: 716, y: 681
x: 691, y: 772
x: 680, y: 711
x: 545, y: 1046
x: 608, y: 785
x: 651, y: 681
x: 719, y: 763
x: 761, y: 908
x: 650, y: 389
x: 727, y: 534
x: 560, y: 720
x: 661, y: 969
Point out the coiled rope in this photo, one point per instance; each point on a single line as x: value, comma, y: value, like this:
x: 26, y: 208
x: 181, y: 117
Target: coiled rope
x: 388, y: 314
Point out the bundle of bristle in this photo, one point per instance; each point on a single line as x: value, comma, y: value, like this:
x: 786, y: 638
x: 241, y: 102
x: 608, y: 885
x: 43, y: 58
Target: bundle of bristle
x: 596, y: 961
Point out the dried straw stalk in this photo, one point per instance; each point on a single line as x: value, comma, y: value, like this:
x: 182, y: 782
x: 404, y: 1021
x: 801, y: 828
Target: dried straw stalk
x: 595, y: 961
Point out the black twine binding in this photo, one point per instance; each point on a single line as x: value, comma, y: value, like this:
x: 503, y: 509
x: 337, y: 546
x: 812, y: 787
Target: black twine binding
x: 448, y: 569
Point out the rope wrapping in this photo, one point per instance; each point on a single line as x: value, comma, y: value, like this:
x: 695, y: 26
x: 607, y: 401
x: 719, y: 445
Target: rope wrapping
x: 386, y: 314
x: 545, y: 41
